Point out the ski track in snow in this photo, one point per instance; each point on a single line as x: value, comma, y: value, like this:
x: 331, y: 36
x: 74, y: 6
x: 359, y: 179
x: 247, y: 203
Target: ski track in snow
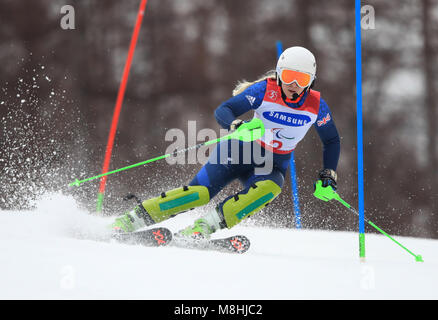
x: 60, y: 252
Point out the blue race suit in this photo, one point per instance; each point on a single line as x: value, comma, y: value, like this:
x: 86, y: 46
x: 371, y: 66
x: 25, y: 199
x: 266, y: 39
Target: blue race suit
x: 286, y: 123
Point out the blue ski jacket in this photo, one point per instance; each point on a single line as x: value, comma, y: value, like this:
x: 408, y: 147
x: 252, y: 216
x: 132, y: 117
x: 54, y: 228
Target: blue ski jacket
x: 253, y: 97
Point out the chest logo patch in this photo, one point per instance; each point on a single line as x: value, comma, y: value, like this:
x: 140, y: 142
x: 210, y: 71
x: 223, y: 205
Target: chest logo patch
x: 287, y: 119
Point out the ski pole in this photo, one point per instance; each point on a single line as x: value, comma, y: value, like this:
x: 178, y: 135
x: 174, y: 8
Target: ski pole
x: 327, y: 194
x: 247, y: 132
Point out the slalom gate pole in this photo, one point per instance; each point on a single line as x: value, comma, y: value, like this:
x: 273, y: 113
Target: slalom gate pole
x: 118, y: 107
x: 360, y: 165
x: 249, y: 131
x: 293, y: 174
x: 327, y: 194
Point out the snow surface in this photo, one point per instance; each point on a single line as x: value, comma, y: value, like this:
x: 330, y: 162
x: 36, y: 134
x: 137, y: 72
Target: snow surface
x: 59, y: 252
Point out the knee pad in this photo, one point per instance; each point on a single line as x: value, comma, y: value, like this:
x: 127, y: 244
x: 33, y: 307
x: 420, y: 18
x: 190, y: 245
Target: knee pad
x: 242, y: 205
x: 175, y: 201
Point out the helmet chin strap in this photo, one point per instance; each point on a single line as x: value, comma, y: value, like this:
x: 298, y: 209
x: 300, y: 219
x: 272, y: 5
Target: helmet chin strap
x: 295, y: 96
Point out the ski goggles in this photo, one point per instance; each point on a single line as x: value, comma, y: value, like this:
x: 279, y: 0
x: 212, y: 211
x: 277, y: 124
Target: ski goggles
x: 302, y: 79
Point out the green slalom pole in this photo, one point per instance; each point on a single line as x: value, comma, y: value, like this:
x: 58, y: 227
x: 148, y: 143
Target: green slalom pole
x: 247, y: 132
x: 327, y: 194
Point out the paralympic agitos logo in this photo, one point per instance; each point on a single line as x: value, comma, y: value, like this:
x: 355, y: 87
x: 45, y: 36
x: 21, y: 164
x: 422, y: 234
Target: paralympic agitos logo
x: 288, y: 119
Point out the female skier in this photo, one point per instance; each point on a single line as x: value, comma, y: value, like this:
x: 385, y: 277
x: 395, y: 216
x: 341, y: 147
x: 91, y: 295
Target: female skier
x: 288, y: 107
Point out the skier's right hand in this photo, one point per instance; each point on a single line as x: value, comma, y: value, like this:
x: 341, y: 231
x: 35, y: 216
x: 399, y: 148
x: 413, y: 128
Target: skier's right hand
x: 236, y: 124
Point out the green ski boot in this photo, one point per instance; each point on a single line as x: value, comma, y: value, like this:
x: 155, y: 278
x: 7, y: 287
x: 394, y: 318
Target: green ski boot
x: 203, y: 227
x: 200, y: 230
x: 130, y: 221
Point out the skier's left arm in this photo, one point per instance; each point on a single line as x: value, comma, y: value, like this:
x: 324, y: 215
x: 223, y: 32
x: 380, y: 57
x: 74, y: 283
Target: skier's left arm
x: 251, y: 98
x: 326, y: 128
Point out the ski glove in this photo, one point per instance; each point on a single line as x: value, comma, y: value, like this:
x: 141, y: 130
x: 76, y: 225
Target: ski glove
x: 328, y: 178
x: 236, y: 124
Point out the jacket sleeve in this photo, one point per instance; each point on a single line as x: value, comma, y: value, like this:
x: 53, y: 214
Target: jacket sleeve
x: 251, y: 98
x: 326, y: 128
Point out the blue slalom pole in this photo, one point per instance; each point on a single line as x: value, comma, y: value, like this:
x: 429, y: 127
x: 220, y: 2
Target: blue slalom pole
x: 293, y: 175
x: 294, y: 185
x: 360, y: 165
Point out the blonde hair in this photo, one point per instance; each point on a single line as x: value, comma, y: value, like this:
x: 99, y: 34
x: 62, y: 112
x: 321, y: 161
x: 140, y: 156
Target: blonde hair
x: 244, y: 84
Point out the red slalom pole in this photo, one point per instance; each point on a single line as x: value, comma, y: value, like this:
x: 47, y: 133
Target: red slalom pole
x: 119, y: 102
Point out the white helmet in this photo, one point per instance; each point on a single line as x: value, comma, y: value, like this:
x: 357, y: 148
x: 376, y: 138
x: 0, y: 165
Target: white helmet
x: 298, y: 59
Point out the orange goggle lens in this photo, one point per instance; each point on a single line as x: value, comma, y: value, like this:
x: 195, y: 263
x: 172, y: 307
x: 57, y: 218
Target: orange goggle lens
x: 301, y: 78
